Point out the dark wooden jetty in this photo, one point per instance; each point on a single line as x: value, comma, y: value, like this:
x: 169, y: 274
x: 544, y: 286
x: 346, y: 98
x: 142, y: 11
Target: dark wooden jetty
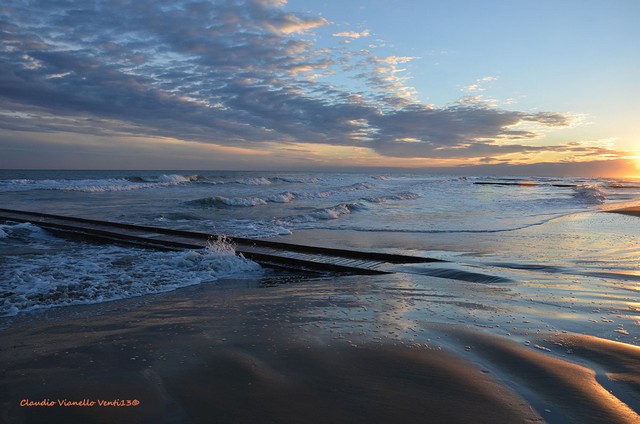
x: 523, y: 183
x: 267, y: 253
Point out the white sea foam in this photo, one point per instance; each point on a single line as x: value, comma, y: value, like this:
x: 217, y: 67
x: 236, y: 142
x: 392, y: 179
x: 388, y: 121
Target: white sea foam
x: 255, y: 181
x: 329, y: 213
x: 591, y: 194
x: 175, y: 178
x: 221, y: 245
x: 100, y: 186
x: 96, y: 185
x: 399, y: 196
x: 281, y: 197
x: 23, y: 231
x: 73, y: 185
x: 221, y: 201
x: 292, y: 180
x: 94, y: 274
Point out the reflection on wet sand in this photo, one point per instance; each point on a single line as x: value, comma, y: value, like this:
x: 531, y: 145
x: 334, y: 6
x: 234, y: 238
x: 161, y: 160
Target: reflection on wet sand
x: 370, y: 349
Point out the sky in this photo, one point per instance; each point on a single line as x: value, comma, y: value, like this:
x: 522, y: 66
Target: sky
x: 546, y: 87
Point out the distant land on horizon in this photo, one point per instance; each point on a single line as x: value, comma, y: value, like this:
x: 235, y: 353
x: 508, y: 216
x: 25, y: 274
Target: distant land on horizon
x: 602, y: 169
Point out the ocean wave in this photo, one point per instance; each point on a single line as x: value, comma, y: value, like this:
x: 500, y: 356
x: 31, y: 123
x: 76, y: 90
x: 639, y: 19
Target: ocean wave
x: 274, y: 180
x: 168, y: 178
x: 24, y: 231
x: 591, y: 194
x: 97, y: 185
x: 359, y: 186
x: 221, y: 201
x: 352, y: 188
x: 254, y: 181
x: 176, y: 178
x: 101, y: 186
x: 291, y: 180
x: 96, y: 274
x: 281, y: 197
x: 329, y: 213
x: 394, y: 197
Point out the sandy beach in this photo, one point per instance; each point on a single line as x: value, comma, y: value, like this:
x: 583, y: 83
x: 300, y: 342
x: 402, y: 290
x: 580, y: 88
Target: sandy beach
x: 633, y: 210
x: 308, y: 350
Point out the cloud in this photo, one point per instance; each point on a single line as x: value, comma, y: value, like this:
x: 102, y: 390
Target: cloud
x: 290, y: 24
x: 479, y: 84
x: 352, y: 34
x: 395, y: 60
x: 232, y: 73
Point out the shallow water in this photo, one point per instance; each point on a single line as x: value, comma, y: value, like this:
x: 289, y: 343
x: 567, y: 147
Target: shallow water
x: 539, y: 232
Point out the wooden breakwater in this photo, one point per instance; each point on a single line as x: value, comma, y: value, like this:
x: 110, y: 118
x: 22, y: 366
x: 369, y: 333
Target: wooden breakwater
x: 267, y: 253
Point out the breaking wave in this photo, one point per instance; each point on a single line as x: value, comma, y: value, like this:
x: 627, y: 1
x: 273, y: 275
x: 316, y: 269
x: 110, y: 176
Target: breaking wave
x: 255, y: 181
x: 281, y: 198
x: 287, y: 197
x: 175, y: 178
x: 96, y: 274
x: 291, y: 180
x: 590, y: 194
x: 98, y: 185
x: 397, y: 197
x: 333, y: 212
x: 221, y: 201
x: 24, y: 232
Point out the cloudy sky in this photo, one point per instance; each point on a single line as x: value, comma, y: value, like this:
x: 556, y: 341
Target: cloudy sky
x: 549, y: 86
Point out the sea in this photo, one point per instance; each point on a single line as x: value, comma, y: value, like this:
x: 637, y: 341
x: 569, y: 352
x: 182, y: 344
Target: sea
x: 540, y: 238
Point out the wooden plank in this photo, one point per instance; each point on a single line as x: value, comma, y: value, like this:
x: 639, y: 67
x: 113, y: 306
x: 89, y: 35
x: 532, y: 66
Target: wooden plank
x: 275, y: 254
x: 238, y: 241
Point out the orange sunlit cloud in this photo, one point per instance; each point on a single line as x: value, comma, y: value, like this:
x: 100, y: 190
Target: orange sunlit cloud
x: 303, y: 88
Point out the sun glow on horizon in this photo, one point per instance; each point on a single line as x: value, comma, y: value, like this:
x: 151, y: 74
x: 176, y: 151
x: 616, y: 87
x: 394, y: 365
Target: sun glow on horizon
x: 636, y: 163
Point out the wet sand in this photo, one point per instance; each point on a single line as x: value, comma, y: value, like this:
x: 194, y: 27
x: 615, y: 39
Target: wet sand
x: 309, y: 350
x: 634, y: 211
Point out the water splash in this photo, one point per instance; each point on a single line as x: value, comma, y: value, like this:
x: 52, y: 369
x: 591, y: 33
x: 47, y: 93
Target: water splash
x: 221, y: 244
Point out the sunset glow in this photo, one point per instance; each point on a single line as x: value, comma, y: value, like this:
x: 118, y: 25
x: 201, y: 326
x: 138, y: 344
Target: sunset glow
x: 251, y: 84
